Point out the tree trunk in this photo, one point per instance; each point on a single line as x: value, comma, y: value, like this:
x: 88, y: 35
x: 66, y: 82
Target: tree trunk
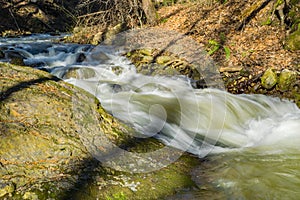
x: 150, y: 12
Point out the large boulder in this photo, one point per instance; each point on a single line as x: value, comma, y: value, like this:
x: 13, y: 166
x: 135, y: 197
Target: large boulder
x: 45, y: 133
x: 39, y: 141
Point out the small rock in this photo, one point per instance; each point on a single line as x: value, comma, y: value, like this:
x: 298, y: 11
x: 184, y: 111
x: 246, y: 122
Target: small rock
x: 293, y: 41
x: 81, y: 73
x: 117, y: 70
x: 286, y: 80
x: 112, y: 32
x: 269, y: 79
x: 81, y: 57
x: 297, y: 100
x: 17, y: 61
x: 147, y: 59
x: 146, y: 52
x: 245, y: 72
x: 163, y: 59
x: 30, y: 196
x: 15, y: 54
x: 97, y: 38
x: 99, y: 56
x: 6, y: 188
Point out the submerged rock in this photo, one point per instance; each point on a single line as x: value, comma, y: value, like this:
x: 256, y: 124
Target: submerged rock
x: 80, y: 73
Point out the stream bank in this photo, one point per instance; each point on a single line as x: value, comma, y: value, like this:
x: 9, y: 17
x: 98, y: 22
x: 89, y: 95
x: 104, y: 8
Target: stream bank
x: 243, y: 53
x: 245, y: 40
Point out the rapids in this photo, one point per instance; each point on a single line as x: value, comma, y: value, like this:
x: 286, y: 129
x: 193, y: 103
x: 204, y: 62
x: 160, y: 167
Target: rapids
x: 249, y: 133
x: 200, y: 121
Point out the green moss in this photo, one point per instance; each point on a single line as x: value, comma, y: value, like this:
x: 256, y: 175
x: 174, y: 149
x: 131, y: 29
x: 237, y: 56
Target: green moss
x: 117, y: 196
x: 269, y: 79
x: 6, y: 188
x: 293, y: 41
x: 297, y: 98
x: 167, y: 181
x: 286, y: 80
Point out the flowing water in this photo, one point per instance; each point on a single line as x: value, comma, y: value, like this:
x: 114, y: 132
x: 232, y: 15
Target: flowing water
x: 251, y: 141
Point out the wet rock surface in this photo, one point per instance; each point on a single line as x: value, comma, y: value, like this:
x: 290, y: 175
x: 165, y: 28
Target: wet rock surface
x: 44, y: 143
x: 39, y: 142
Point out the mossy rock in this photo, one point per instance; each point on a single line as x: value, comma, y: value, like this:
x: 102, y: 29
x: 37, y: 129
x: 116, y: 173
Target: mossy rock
x: 153, y: 62
x: 6, y: 188
x: 293, y: 41
x: 294, y: 15
x: 286, y: 80
x: 269, y: 79
x: 163, y: 59
x: 146, y: 52
x: 113, y: 31
x: 44, y: 154
x: 39, y: 139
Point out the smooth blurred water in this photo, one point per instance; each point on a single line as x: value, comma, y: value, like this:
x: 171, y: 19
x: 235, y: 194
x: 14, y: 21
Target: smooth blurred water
x: 32, y: 38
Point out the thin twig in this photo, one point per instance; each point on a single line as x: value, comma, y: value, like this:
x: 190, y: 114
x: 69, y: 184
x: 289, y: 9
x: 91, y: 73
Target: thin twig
x: 92, y: 14
x: 14, y: 19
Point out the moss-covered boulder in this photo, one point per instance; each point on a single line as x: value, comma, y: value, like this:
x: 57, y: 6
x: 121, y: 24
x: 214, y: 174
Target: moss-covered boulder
x: 269, y: 79
x: 39, y: 139
x: 44, y: 128
x: 286, y: 80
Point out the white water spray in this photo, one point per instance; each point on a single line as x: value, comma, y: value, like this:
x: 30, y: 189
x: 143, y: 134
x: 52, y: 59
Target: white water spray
x: 156, y: 106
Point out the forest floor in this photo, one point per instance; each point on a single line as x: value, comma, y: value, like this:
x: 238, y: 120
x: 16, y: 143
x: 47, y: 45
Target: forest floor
x: 248, y: 48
